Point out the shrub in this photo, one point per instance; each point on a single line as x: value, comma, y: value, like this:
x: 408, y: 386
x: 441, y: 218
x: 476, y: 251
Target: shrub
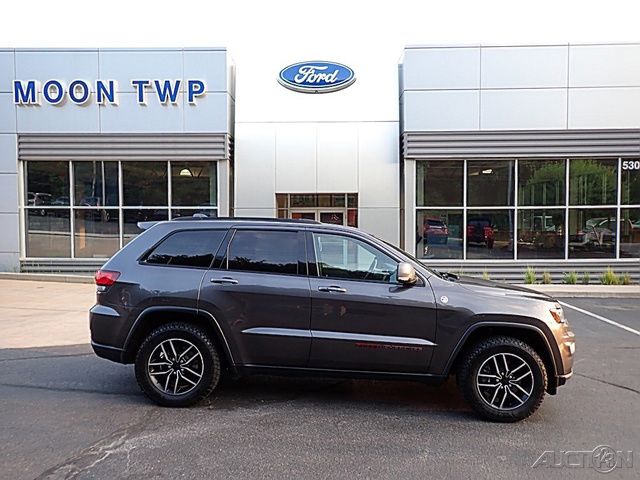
x: 546, y: 278
x: 529, y: 276
x: 626, y: 279
x: 586, y: 278
x: 570, y: 278
x: 609, y: 277
x: 485, y: 275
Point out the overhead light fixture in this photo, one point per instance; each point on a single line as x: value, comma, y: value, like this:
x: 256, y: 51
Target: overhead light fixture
x: 185, y: 172
x: 488, y: 171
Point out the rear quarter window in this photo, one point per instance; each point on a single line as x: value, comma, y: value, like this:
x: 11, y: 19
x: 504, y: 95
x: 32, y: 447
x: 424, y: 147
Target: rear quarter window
x: 187, y: 248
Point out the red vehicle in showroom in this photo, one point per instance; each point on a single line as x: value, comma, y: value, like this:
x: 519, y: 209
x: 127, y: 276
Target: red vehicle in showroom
x: 435, y: 231
x: 480, y: 231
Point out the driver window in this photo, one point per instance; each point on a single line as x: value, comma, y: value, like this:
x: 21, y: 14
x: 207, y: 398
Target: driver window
x: 344, y: 257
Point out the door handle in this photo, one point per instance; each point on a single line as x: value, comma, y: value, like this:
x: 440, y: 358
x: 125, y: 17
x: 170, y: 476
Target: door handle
x: 224, y: 281
x: 332, y: 288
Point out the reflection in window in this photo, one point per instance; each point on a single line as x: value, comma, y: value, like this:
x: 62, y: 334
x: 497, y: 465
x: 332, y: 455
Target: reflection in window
x: 97, y: 233
x: 264, y: 251
x: 630, y: 232
x: 490, y: 234
x: 592, y: 233
x: 541, y: 233
x: 541, y: 182
x: 490, y: 183
x: 439, y: 234
x: 631, y: 182
x: 190, y: 212
x: 96, y: 184
x: 194, y: 184
x: 132, y: 217
x: 48, y: 233
x: 344, y: 257
x: 144, y: 183
x: 593, y: 182
x: 439, y: 183
x: 47, y: 184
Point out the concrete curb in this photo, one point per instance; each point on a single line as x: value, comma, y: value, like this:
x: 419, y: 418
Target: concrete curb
x: 46, y: 277
x: 593, y: 291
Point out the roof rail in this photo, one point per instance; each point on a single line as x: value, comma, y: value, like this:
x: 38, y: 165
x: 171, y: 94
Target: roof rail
x: 204, y: 218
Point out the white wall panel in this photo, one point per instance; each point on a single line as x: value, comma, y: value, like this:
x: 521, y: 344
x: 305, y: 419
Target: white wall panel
x: 59, y: 65
x: 8, y: 193
x: 128, y: 116
x: 7, y: 71
x: 255, y: 212
x: 442, y: 110
x: 66, y: 117
x: 441, y: 68
x: 7, y: 113
x: 207, y: 65
x: 9, y: 261
x: 381, y: 222
x: 125, y: 66
x: 8, y: 153
x: 255, y: 166
x: 337, y: 159
x: 604, y: 65
x: 10, y: 238
x: 524, y: 67
x: 524, y: 109
x: 296, y: 158
x: 209, y: 114
x: 378, y: 164
x: 604, y: 107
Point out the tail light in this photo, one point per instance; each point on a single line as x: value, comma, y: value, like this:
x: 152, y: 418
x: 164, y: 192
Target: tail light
x: 106, y: 278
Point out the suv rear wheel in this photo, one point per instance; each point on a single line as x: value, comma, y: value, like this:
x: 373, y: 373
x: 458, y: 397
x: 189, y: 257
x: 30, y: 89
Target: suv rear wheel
x: 503, y: 379
x: 177, y: 365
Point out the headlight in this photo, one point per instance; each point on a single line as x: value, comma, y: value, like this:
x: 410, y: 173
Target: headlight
x: 557, y: 313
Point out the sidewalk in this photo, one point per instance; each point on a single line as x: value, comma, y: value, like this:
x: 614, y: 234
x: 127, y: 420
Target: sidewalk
x: 593, y: 291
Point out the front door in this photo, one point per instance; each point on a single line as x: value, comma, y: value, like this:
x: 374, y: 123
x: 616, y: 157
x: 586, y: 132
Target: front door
x: 324, y: 215
x: 362, y: 318
x: 260, y: 296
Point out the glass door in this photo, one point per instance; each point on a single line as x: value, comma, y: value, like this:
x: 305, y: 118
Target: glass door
x: 336, y: 217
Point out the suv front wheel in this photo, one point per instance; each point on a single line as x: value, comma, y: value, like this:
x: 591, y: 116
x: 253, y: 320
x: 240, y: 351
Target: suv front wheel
x: 503, y: 379
x: 177, y: 365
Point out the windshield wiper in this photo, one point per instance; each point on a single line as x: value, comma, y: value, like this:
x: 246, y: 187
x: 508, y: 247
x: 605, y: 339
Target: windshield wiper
x: 446, y: 275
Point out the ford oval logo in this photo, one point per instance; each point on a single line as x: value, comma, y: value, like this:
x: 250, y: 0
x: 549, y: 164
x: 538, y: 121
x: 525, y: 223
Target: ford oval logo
x: 316, y: 77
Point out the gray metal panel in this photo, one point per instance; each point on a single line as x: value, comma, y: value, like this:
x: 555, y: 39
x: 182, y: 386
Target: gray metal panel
x: 125, y: 147
x: 488, y: 144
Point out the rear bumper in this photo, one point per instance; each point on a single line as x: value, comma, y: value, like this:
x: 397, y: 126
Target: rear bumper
x: 107, y: 351
x: 562, y: 379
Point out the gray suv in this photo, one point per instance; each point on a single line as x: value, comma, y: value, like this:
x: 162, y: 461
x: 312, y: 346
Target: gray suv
x: 194, y: 299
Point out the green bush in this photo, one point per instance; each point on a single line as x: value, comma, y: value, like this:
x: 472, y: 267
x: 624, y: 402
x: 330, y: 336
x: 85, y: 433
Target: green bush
x: 529, y: 276
x: 485, y: 275
x: 609, y: 277
x: 570, y: 278
x: 586, y: 278
x: 546, y: 278
x: 626, y: 279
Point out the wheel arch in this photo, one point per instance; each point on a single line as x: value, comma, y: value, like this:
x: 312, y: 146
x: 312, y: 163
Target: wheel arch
x: 530, y: 334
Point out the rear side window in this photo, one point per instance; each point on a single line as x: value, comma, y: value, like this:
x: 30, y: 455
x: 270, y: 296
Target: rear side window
x: 188, y: 248
x: 264, y: 251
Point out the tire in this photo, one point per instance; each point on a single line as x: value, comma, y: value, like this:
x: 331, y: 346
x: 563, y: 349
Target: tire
x: 196, y: 355
x: 499, y: 403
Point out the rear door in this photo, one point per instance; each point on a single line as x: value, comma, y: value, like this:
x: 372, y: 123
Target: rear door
x: 260, y: 295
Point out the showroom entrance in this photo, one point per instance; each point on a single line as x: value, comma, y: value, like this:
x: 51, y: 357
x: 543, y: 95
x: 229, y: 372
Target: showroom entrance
x: 336, y: 208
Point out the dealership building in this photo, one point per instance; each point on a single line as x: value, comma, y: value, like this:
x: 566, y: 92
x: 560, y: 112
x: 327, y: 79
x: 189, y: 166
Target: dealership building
x: 473, y: 158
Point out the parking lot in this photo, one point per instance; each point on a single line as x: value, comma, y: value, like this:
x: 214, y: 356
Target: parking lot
x: 64, y: 413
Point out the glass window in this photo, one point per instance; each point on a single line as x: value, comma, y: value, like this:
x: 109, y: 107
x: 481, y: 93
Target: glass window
x: 541, y: 233
x: 47, y: 184
x: 592, y: 233
x: 630, y: 232
x: 439, y: 234
x: 489, y: 183
x: 264, y: 251
x: 48, y: 233
x: 631, y: 182
x: 194, y: 184
x: 132, y: 217
x: 96, y: 184
x: 97, y: 233
x: 348, y: 258
x: 439, y: 183
x: 352, y: 217
x: 593, y: 182
x: 144, y: 183
x: 541, y: 182
x: 490, y: 234
x: 190, y: 212
x: 192, y: 248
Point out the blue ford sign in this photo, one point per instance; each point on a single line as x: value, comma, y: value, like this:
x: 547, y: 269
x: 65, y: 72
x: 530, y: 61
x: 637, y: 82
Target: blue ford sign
x: 316, y: 77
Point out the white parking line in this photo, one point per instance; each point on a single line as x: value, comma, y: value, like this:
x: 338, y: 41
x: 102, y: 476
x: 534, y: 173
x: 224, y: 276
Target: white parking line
x: 602, y: 319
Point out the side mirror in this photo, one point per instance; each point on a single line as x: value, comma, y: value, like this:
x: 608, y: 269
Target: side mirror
x: 406, y: 273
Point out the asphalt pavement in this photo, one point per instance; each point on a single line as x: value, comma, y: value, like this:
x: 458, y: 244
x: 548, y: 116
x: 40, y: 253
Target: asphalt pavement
x: 65, y: 413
